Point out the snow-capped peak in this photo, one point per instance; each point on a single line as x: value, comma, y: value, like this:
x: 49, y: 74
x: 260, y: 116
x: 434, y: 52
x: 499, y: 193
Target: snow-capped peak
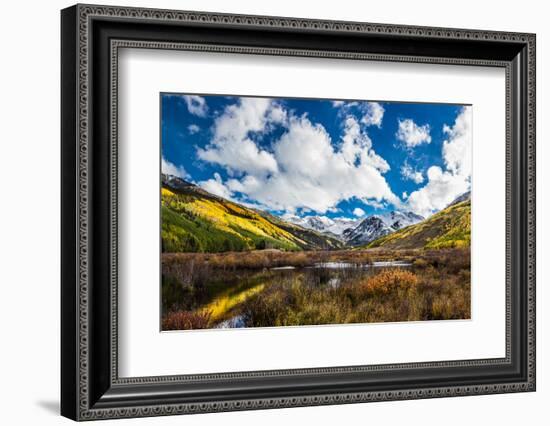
x: 376, y: 226
x: 397, y: 220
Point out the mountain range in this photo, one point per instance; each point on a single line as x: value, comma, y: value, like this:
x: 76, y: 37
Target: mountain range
x: 376, y: 226
x: 355, y: 232
x: 196, y: 220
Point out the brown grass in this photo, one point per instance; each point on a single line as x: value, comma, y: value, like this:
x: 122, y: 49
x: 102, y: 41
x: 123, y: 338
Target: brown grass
x: 184, y: 320
x: 435, y: 287
x: 270, y: 258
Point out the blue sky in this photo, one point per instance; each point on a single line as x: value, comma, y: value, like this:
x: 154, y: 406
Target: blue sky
x: 316, y: 156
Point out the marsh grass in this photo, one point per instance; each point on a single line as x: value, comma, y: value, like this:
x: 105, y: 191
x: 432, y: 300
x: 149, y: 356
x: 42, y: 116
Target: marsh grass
x: 271, y: 258
x: 435, y: 287
x: 185, y: 320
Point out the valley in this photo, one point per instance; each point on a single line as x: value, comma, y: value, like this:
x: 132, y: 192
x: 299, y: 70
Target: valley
x: 197, y: 221
x: 226, y: 265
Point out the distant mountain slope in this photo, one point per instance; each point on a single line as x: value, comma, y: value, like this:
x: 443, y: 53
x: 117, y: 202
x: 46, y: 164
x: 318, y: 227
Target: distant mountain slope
x: 448, y: 228
x: 319, y: 239
x: 376, y: 226
x: 397, y: 219
x: 466, y: 196
x: 193, y: 220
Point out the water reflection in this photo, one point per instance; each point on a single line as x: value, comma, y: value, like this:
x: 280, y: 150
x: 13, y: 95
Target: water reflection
x: 223, y: 294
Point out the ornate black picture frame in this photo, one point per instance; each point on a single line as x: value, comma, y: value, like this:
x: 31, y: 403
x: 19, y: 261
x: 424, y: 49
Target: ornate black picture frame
x: 90, y: 38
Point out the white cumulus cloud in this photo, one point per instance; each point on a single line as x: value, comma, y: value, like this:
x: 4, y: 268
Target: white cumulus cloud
x: 411, y: 134
x: 169, y: 168
x: 357, y: 211
x: 307, y: 171
x: 196, y: 105
x: 216, y: 186
x: 232, y: 146
x: 357, y: 145
x: 444, y: 186
x: 193, y: 128
x: 411, y: 174
x: 345, y: 105
x: 373, y: 114
x: 457, y: 149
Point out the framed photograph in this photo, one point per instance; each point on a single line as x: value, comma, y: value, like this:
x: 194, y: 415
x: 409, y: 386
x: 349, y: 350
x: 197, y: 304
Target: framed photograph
x: 263, y: 212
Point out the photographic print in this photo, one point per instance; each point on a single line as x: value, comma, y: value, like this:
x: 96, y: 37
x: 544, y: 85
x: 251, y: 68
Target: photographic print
x: 294, y: 211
